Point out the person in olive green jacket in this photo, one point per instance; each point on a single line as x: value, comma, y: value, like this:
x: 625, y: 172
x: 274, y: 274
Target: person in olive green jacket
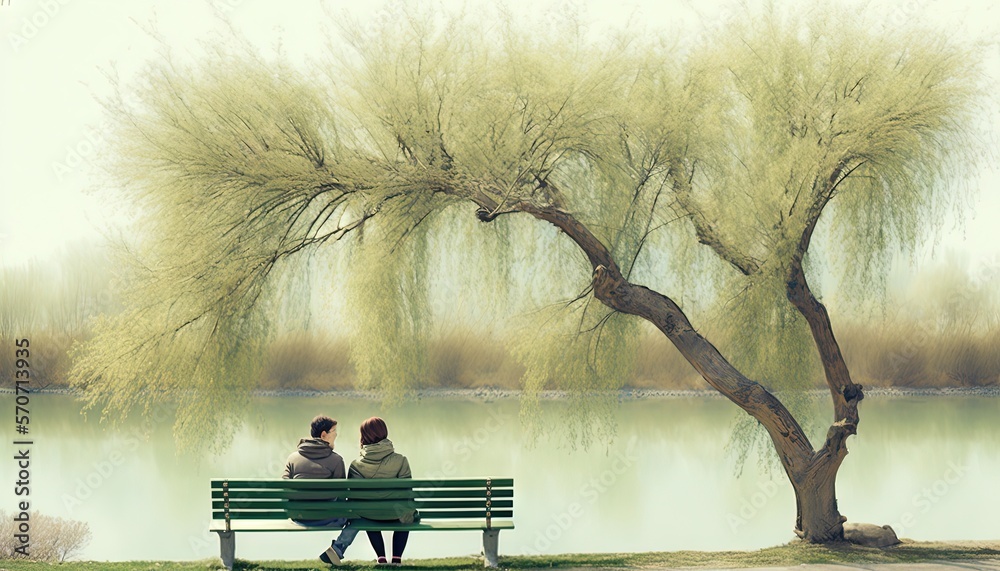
x: 379, y: 460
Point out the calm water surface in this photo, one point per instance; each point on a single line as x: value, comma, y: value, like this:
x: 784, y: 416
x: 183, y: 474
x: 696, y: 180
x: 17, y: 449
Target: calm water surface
x: 927, y: 465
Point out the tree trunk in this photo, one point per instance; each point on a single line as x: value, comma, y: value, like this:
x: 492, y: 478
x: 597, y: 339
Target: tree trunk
x: 817, y: 518
x: 812, y: 473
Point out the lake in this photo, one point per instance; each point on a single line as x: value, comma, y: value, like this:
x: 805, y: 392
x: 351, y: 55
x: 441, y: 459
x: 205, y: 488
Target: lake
x: 927, y: 465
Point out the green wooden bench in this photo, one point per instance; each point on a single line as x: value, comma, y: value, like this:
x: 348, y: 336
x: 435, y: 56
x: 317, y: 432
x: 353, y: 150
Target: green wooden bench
x: 447, y: 504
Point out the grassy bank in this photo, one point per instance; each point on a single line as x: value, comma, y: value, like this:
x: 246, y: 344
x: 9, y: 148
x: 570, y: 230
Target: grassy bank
x: 785, y: 555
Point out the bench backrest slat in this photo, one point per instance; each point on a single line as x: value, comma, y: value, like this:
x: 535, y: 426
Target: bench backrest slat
x: 362, y: 484
x: 243, y: 493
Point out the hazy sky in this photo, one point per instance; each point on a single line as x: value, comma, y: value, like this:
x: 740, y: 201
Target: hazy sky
x: 55, y: 50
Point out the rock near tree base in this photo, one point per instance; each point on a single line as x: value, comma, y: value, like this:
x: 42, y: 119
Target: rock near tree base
x: 870, y: 535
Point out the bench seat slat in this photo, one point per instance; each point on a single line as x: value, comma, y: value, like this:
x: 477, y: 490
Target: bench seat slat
x: 323, y: 514
x: 464, y: 514
x: 236, y: 505
x: 288, y: 525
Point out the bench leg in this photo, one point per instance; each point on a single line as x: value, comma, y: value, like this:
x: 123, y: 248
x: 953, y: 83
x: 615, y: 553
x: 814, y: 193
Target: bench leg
x: 227, y: 548
x: 491, y: 540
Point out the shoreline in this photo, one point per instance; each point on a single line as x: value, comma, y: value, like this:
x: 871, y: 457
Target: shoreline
x: 491, y: 394
x: 487, y: 394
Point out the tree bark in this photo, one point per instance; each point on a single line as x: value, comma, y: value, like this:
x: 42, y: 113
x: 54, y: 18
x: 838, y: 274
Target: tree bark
x: 817, y: 518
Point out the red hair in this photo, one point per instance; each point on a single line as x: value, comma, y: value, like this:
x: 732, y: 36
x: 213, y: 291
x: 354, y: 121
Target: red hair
x: 373, y: 430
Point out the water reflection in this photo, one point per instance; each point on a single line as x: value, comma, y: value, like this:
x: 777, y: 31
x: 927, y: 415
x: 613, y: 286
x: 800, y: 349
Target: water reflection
x: 926, y: 465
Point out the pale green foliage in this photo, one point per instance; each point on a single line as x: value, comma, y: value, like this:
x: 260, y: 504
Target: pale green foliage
x: 474, y: 283
x: 388, y: 292
x: 228, y: 162
x: 241, y: 165
x: 504, y: 117
x: 804, y: 96
x: 806, y: 101
x: 770, y: 341
x: 582, y: 349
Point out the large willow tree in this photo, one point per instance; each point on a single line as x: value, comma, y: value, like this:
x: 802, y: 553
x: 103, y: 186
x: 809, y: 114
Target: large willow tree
x: 719, y: 160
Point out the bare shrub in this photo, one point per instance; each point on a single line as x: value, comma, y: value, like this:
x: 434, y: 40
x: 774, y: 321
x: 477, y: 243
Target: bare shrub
x: 915, y: 354
x: 903, y: 356
x: 52, y: 539
x: 864, y: 348
x: 968, y: 360
x: 464, y: 359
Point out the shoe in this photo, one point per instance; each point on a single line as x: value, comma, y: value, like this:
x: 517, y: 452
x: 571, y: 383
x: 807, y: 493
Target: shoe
x: 397, y: 561
x: 330, y: 556
x: 381, y: 561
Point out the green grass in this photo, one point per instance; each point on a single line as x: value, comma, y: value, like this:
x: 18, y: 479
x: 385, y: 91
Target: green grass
x: 791, y: 555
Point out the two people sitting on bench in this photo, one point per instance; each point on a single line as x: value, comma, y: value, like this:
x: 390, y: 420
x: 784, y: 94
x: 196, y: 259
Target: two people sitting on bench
x: 315, y: 458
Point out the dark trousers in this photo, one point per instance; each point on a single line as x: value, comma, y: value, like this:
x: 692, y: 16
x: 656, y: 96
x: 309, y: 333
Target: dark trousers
x: 398, y: 542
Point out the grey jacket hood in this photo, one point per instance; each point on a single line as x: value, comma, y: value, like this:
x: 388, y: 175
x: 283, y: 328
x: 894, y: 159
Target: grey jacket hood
x: 314, y: 459
x: 379, y: 460
x: 314, y: 448
x: 378, y: 451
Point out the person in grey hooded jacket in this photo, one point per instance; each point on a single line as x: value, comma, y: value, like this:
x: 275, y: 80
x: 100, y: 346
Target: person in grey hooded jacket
x: 315, y: 458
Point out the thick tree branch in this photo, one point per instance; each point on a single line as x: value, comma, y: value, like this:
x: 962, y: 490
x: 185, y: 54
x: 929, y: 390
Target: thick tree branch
x: 706, y: 232
x: 619, y: 294
x: 845, y: 393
